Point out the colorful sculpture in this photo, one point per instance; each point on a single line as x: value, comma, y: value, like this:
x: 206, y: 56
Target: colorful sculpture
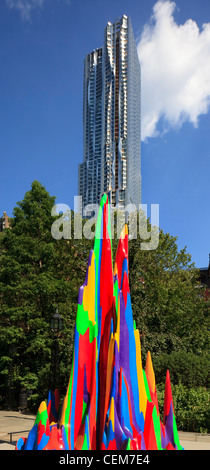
x: 111, y: 402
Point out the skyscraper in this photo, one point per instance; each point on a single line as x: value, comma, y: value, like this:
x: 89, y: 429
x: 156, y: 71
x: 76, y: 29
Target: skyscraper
x: 111, y: 119
x: 90, y: 170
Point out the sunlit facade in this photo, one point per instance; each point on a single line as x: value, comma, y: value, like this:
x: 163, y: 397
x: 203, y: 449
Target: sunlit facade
x: 111, y: 119
x: 90, y: 170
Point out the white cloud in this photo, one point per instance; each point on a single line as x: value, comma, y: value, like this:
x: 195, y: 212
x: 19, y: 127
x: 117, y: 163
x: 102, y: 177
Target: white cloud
x: 175, y: 70
x: 25, y: 7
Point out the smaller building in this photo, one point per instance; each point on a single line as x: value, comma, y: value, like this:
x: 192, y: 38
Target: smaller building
x: 4, y: 222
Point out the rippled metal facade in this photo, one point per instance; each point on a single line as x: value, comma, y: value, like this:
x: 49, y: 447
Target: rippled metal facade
x: 90, y: 170
x: 111, y: 119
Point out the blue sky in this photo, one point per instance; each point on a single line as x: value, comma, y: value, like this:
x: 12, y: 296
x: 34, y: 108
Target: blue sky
x: 43, y: 45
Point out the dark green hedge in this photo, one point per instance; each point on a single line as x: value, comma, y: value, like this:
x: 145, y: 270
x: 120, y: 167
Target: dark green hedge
x: 191, y: 407
x: 187, y: 368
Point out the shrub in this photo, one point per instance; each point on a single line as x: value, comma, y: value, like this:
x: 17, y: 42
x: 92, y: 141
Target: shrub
x: 191, y: 406
x: 187, y: 368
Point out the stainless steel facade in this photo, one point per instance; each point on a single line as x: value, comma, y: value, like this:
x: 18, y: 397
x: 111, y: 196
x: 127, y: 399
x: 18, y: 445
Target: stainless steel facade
x: 90, y: 169
x: 111, y: 119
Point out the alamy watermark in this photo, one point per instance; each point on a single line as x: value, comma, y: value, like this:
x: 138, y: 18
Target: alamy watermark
x: 67, y: 227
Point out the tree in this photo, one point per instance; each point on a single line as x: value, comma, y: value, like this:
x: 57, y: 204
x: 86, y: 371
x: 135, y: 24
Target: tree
x: 167, y: 306
x: 37, y: 273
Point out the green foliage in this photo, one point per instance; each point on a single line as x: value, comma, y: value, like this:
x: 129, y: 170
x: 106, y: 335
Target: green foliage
x: 187, y: 368
x: 167, y: 306
x: 37, y: 273
x: 191, y: 406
